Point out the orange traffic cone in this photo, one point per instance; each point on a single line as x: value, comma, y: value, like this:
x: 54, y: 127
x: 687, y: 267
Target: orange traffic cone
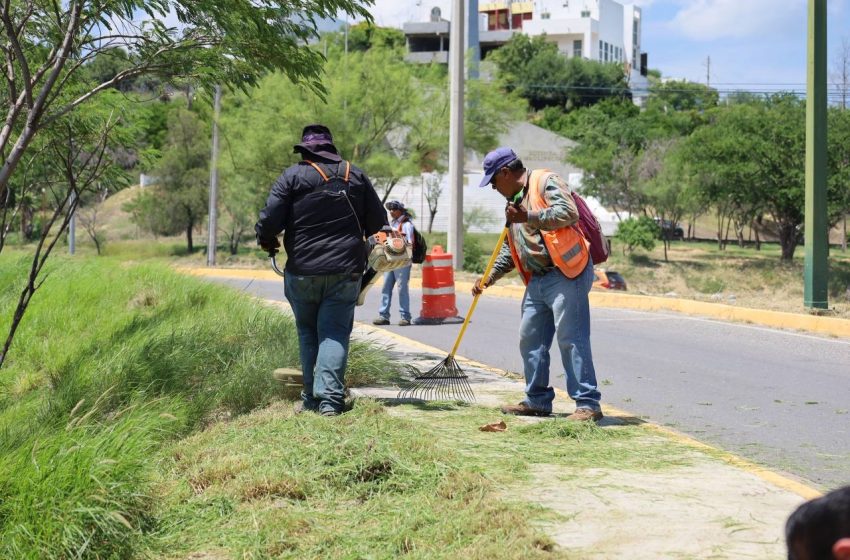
x: 438, y: 290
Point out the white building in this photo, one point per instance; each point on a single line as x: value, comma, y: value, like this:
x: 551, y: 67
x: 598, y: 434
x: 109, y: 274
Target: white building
x: 602, y: 30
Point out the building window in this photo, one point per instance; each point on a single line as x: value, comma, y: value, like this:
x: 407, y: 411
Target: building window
x: 577, y: 48
x: 545, y: 15
x: 585, y: 13
x: 600, y: 51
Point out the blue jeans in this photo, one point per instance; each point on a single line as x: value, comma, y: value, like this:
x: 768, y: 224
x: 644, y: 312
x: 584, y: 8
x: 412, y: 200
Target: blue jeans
x: 554, y: 304
x: 324, y: 316
x: 402, y: 276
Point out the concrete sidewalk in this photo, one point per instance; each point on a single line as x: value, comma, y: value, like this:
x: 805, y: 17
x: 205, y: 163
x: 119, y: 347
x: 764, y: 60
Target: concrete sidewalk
x: 715, y: 506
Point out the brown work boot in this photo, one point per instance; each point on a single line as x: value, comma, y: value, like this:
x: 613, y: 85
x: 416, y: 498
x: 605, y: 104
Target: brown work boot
x: 522, y: 409
x: 585, y: 415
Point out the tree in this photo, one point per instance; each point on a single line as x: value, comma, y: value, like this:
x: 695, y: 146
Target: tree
x: 222, y: 41
x: 433, y: 188
x: 719, y: 159
x: 398, y: 126
x: 664, y: 184
x: 366, y: 35
x: 533, y: 68
x: 88, y: 218
x: 676, y: 95
x: 750, y: 159
x: 841, y: 80
x: 841, y: 71
x: 638, y: 233
x: 69, y: 159
x: 180, y: 193
x: 838, y: 130
x: 47, y: 46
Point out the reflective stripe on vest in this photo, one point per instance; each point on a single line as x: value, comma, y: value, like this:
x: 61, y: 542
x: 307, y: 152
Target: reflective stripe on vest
x: 567, y: 247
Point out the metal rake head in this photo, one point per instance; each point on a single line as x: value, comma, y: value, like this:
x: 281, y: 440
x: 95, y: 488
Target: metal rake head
x: 444, y: 382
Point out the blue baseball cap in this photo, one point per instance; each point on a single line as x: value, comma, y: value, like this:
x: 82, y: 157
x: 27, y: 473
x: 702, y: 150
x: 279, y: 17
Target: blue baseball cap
x: 494, y: 161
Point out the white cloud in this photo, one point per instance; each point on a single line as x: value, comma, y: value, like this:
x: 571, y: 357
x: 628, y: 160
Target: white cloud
x: 393, y: 13
x: 707, y: 20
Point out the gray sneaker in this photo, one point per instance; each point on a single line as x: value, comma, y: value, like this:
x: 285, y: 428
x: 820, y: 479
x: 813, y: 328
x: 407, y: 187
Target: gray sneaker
x: 404, y: 323
x: 381, y: 321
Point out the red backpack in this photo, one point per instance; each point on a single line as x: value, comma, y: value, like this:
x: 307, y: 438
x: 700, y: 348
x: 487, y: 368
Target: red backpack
x: 592, y: 231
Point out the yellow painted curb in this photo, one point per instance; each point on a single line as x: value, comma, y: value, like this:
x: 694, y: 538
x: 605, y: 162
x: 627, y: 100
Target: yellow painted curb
x: 246, y: 273
x: 775, y: 319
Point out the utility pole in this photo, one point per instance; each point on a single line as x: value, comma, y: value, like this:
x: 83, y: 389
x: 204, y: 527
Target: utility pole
x: 457, y: 48
x: 708, y: 71
x: 817, y: 229
x: 473, y: 41
x: 345, y: 64
x: 213, y: 213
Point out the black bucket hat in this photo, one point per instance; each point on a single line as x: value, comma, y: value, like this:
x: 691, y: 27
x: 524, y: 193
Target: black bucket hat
x: 316, y: 140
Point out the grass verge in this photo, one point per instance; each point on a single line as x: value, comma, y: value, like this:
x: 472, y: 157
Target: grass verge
x: 111, y: 362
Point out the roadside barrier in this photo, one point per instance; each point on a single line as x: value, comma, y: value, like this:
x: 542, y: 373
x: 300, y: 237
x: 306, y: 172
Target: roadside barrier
x: 438, y: 290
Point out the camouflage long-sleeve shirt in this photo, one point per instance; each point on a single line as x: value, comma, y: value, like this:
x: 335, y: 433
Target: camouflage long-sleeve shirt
x: 527, y: 238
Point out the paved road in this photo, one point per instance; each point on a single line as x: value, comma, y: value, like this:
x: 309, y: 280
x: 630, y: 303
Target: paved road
x: 778, y: 398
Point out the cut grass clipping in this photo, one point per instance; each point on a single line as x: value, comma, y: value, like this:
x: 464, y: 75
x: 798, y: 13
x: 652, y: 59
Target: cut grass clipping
x: 110, y: 362
x: 414, y: 481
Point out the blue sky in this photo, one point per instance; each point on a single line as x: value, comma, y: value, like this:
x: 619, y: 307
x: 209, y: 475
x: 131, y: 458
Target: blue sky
x: 753, y: 44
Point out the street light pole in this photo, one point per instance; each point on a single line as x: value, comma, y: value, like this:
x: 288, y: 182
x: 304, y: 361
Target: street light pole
x: 457, y: 49
x: 817, y: 229
x: 213, y: 211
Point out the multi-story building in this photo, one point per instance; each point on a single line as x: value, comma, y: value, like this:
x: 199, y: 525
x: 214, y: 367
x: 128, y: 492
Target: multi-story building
x: 602, y: 30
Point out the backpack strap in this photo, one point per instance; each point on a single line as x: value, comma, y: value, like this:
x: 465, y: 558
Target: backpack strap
x: 325, y: 176
x: 319, y: 169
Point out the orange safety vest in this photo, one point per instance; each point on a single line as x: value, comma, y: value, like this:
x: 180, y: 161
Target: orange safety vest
x: 567, y: 247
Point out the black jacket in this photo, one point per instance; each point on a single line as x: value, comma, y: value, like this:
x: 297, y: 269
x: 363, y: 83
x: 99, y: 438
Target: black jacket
x: 324, y: 223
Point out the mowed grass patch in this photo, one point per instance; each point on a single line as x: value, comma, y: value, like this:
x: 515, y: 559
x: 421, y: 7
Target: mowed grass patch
x: 379, y: 482
x: 111, y: 362
x: 363, y: 485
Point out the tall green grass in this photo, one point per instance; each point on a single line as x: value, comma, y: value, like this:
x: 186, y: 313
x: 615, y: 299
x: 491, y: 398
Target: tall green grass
x: 110, y: 362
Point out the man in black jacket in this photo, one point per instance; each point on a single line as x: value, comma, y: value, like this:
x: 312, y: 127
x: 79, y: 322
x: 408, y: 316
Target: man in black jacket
x: 326, y: 208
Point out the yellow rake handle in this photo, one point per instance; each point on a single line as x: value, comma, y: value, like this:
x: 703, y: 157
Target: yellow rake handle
x: 475, y: 299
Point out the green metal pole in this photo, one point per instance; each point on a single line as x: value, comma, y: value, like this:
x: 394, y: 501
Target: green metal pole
x: 817, y: 229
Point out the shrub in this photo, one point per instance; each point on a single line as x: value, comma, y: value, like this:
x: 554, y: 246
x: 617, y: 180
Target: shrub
x: 638, y: 232
x: 473, y: 256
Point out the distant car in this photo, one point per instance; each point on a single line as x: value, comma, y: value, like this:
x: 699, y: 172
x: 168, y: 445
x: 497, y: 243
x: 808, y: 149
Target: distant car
x: 608, y: 279
x: 670, y: 230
